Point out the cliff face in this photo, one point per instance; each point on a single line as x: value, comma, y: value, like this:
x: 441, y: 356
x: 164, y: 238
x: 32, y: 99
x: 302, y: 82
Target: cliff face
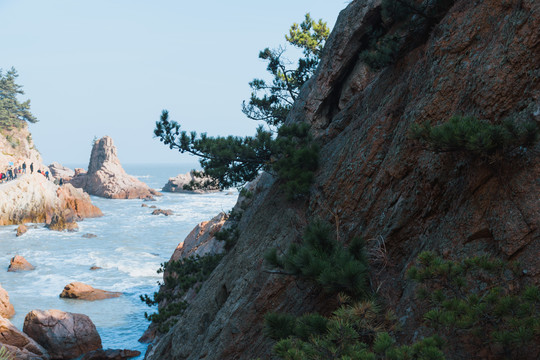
x: 481, y: 59
x: 16, y: 146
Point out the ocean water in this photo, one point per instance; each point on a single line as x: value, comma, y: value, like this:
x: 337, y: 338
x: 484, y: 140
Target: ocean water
x: 129, y: 246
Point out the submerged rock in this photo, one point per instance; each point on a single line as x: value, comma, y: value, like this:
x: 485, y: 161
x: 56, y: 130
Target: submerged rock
x: 166, y: 212
x: 106, y: 177
x: 64, y: 335
x: 89, y: 236
x: 19, y: 263
x: 81, y: 291
x: 190, y: 183
x: 19, y: 345
x: 21, y: 229
x: 6, y: 308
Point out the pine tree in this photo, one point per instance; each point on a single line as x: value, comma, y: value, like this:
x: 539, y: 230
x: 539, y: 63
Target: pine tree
x: 12, y: 112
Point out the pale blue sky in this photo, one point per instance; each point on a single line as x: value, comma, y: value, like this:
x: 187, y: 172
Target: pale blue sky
x: 108, y: 67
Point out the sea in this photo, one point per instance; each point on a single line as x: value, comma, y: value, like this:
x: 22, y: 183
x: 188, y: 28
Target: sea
x: 129, y: 246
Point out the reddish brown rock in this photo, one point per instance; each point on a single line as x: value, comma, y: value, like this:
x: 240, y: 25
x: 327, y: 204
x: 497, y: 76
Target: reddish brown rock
x: 64, y: 335
x: 481, y: 59
x: 19, y: 345
x: 19, y: 263
x: 80, y: 291
x: 166, y: 212
x: 77, y: 201
x: 21, y: 229
x: 110, y: 354
x: 95, y: 267
x: 106, y: 177
x: 6, y: 308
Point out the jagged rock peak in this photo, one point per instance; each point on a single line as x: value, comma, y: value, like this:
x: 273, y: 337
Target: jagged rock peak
x: 103, y: 154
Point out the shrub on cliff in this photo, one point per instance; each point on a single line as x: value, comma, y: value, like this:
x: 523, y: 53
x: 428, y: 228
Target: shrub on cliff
x: 354, y: 331
x: 471, y: 299
x: 12, y: 112
x: 479, y: 137
x: 182, y: 275
x: 322, y: 259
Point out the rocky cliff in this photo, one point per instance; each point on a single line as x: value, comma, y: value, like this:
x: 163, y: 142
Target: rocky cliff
x: 106, y: 177
x: 480, y: 59
x: 16, y: 146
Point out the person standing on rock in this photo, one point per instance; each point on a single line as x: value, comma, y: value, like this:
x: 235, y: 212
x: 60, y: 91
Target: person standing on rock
x: 24, y: 167
x: 31, y: 168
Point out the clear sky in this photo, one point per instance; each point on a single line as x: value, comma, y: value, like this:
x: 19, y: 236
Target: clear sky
x: 108, y: 67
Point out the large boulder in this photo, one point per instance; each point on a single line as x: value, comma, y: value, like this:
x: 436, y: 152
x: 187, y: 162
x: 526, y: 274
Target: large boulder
x: 6, y: 308
x: 34, y: 199
x: 110, y: 354
x: 191, y: 183
x: 64, y: 335
x: 106, y: 177
x: 61, y: 172
x: 81, y: 291
x: 21, y: 229
x: 19, y: 345
x: 19, y: 263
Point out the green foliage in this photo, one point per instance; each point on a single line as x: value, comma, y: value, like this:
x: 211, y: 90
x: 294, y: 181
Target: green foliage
x: 467, y: 298
x: 5, y: 354
x: 279, y: 95
x: 233, y: 161
x: 12, y: 112
x: 229, y: 235
x: 181, y: 275
x: 478, y: 137
x: 321, y: 259
x: 292, y: 155
x: 354, y: 331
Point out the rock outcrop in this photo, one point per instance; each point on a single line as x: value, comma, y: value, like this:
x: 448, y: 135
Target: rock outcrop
x: 81, y: 291
x: 19, y: 263
x: 110, y: 354
x: 6, y: 308
x: 19, y: 345
x: 33, y: 198
x: 17, y: 147
x: 64, y: 335
x: 61, y: 172
x: 190, y: 183
x: 21, y: 229
x: 106, y: 177
x: 374, y: 182
x: 165, y: 212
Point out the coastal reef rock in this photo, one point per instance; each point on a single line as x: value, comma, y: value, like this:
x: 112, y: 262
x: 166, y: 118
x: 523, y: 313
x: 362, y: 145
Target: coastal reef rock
x: 61, y: 172
x: 165, y: 212
x: 190, y: 183
x: 19, y: 345
x: 6, y: 308
x: 201, y: 240
x: 110, y: 354
x: 21, y: 229
x: 373, y: 181
x: 64, y: 335
x: 19, y: 263
x: 81, y: 291
x: 32, y: 198
x: 106, y: 177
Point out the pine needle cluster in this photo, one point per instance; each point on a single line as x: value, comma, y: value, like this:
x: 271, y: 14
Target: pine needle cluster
x: 478, y: 137
x: 468, y: 298
x: 354, y: 331
x: 182, y: 275
x: 321, y: 259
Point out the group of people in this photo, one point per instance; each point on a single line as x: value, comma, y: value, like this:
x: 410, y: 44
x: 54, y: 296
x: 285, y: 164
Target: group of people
x: 13, y: 172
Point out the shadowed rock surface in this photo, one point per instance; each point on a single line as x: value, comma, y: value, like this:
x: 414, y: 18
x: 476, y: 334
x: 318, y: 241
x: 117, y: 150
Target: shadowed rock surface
x: 64, y: 335
x: 110, y: 354
x: 81, y: 291
x: 481, y: 59
x: 19, y: 345
x: 106, y: 177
